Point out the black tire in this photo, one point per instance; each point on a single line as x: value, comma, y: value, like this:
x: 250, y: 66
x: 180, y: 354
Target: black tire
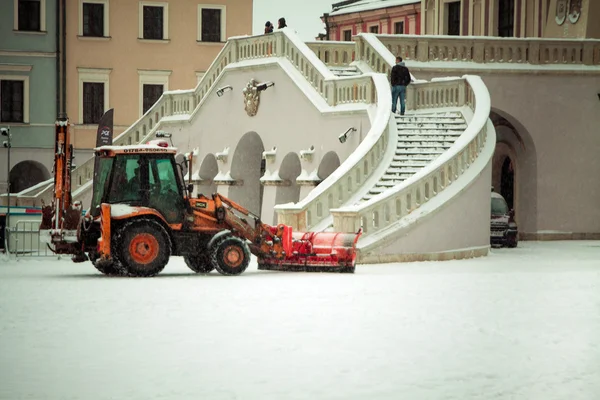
x: 109, y: 268
x: 143, y: 247
x: 230, y: 256
x: 199, y: 263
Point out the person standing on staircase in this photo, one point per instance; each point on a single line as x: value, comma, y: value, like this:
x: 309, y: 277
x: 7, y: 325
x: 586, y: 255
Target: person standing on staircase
x: 399, y: 79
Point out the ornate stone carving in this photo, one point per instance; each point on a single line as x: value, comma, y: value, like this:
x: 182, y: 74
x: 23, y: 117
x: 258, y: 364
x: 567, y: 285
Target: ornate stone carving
x: 251, y: 98
x: 574, y: 11
x: 561, y: 11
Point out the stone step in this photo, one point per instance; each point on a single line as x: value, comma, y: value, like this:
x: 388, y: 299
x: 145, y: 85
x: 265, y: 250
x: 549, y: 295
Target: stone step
x: 405, y: 121
x: 424, y: 144
x: 424, y: 136
x: 402, y: 170
x: 446, y: 114
x: 409, y: 164
x: 419, y: 157
x: 429, y: 126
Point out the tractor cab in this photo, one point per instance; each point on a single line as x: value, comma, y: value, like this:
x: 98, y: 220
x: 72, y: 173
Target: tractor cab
x: 139, y: 176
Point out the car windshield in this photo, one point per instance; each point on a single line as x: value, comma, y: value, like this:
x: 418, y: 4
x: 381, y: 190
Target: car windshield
x: 499, y: 206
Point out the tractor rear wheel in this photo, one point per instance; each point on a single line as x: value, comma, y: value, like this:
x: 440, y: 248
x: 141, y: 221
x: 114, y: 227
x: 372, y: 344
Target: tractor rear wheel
x: 230, y: 256
x: 144, y: 247
x: 199, y: 263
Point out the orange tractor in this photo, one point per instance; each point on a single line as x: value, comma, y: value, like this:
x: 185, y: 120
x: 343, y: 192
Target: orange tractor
x: 142, y: 213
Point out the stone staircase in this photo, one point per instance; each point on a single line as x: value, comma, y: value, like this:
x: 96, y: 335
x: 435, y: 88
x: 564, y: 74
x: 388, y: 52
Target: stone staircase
x: 422, y: 138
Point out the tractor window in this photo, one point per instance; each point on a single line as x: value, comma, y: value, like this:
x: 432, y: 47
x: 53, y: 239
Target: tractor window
x: 126, y: 186
x: 165, y: 194
x: 100, y: 183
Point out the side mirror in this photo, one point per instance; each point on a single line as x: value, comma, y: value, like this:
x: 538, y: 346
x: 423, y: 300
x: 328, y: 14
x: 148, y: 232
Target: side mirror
x: 190, y: 189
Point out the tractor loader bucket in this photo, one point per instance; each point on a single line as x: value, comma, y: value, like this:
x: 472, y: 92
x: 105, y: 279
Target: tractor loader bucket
x: 315, y: 252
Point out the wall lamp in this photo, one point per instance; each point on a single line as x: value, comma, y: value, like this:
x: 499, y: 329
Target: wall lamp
x: 222, y: 90
x: 264, y: 86
x: 344, y: 136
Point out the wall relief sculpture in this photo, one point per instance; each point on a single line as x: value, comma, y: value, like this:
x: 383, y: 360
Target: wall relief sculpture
x: 561, y: 11
x: 574, y: 11
x: 251, y: 98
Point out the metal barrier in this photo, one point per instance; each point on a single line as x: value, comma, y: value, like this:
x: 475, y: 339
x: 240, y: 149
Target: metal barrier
x: 23, y: 240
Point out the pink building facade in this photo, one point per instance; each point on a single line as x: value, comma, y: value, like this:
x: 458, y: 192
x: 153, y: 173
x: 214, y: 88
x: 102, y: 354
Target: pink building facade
x: 350, y: 18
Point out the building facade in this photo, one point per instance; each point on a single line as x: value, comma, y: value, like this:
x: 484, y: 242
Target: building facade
x: 352, y: 17
x: 117, y: 54
x: 125, y: 54
x: 29, y: 82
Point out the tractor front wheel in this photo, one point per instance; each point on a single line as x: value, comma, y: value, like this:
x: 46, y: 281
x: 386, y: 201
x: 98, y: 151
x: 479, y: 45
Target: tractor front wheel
x: 230, y: 256
x: 144, y: 248
x: 199, y: 263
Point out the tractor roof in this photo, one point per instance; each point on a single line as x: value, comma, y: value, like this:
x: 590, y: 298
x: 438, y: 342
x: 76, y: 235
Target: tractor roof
x: 135, y: 149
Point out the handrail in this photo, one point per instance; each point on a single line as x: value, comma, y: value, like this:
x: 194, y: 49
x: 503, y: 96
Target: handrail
x: 397, y: 203
x: 535, y: 51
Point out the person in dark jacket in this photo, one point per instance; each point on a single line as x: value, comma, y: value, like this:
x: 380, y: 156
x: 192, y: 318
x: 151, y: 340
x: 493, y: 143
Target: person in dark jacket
x: 281, y: 23
x: 269, y: 27
x: 400, y: 79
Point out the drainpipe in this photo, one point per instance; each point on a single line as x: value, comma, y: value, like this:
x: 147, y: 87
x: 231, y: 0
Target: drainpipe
x: 63, y: 108
x: 57, y: 57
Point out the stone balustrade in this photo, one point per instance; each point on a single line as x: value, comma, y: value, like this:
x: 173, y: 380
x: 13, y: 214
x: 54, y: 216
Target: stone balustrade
x: 392, y: 206
x: 332, y: 53
x: 535, y: 51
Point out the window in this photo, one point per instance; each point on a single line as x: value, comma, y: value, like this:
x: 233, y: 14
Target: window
x: 154, y: 20
x: 399, y: 28
x: 93, y: 94
x: 93, y: 18
x: 374, y: 29
x: 151, y: 93
x: 12, y: 99
x: 93, y: 102
x: 152, y: 85
x: 348, y: 35
x: 211, y: 23
x: 453, y: 18
x: 506, y: 18
x: 30, y: 15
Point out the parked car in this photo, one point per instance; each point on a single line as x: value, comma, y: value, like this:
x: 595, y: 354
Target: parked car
x: 504, y: 231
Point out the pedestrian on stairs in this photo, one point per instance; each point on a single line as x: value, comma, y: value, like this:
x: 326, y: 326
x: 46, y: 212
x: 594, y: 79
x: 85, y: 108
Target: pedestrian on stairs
x: 268, y: 27
x: 400, y: 79
x: 281, y: 23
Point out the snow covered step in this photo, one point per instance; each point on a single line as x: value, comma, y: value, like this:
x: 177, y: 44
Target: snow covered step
x: 345, y: 71
x: 418, y: 157
x: 426, y: 136
x: 447, y: 114
x: 449, y: 120
x: 411, y: 163
x: 453, y: 126
x: 425, y: 143
x: 420, y: 151
x: 402, y: 170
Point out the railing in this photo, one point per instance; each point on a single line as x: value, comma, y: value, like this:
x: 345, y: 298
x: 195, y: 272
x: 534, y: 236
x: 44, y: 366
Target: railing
x: 536, y: 51
x: 332, y: 53
x: 23, y: 239
x: 340, y: 186
x: 393, y: 205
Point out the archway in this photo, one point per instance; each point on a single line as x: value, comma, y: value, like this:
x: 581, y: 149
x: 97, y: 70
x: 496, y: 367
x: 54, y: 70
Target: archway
x: 514, y: 169
x: 247, y: 166
x: 27, y: 174
x: 289, y: 171
x: 207, y: 172
x: 329, y: 163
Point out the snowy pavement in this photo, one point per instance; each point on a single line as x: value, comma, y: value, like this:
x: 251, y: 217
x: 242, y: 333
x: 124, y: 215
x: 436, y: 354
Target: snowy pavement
x: 520, y: 324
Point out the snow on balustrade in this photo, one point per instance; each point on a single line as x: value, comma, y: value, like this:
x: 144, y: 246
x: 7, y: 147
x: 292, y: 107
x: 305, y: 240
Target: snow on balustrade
x: 535, y: 51
x: 333, y: 53
x: 395, y: 204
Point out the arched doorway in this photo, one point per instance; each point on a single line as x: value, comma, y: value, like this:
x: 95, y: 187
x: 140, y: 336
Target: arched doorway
x: 207, y: 172
x: 514, y: 169
x: 329, y: 163
x: 247, y: 165
x: 27, y: 174
x: 289, y: 171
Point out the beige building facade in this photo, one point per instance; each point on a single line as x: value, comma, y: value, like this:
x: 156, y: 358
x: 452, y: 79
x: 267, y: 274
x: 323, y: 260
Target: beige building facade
x: 124, y: 54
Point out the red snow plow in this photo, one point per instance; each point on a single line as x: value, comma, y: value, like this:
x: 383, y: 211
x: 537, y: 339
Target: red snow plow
x: 142, y: 213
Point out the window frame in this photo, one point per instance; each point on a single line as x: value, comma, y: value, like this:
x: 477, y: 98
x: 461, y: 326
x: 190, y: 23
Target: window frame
x: 151, y: 77
x: 344, y: 35
x: 223, y: 9
x: 165, y: 7
x: 25, y: 80
x: 93, y: 75
x: 42, y: 17
x: 105, y: 33
x: 399, y: 23
x: 374, y: 27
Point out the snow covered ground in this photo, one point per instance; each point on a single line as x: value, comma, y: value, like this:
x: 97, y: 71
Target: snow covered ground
x: 520, y: 324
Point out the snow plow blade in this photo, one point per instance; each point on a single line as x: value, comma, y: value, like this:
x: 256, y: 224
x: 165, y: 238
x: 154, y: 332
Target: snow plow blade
x: 315, y: 252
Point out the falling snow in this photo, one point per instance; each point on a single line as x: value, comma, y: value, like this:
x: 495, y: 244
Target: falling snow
x: 520, y: 324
